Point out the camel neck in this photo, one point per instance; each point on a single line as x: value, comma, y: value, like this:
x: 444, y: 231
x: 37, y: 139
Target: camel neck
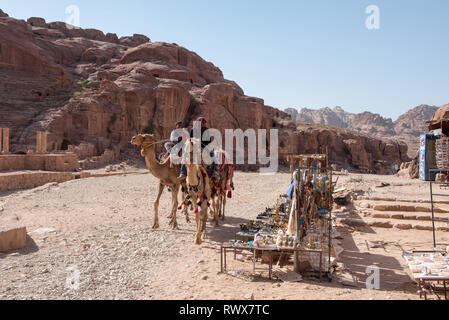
x: 153, y: 164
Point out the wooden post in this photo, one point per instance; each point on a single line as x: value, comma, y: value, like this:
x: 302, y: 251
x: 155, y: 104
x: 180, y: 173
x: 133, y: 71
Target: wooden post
x: 39, y: 142
x: 1, y: 140
x: 6, y: 140
x: 292, y: 169
x: 297, y: 204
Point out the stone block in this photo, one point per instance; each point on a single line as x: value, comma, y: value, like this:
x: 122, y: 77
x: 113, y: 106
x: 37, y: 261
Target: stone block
x: 403, y: 226
x: 13, y: 234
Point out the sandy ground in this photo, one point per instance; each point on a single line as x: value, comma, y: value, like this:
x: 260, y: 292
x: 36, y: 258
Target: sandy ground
x: 102, y: 228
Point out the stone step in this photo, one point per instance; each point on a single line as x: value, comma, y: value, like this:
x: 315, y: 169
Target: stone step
x: 403, y: 206
x: 388, y: 199
x: 389, y: 224
x: 396, y: 215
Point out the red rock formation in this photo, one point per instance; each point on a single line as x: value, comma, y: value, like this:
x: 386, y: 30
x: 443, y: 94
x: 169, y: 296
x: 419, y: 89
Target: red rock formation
x: 442, y: 113
x: 410, y: 169
x: 347, y: 148
x: 407, y: 127
x: 96, y: 91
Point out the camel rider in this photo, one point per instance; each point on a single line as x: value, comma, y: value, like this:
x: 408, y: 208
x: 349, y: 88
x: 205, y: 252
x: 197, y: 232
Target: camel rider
x: 174, y: 137
x: 205, y: 140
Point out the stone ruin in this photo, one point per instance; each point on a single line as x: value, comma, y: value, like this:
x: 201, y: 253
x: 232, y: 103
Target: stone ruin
x: 46, y: 167
x: 39, y: 160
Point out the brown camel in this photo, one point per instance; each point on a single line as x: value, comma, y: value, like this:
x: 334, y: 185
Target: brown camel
x: 199, y: 191
x: 202, y: 190
x: 167, y: 175
x: 224, y: 186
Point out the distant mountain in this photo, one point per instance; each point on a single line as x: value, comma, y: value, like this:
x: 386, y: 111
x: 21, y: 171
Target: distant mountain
x: 407, y: 127
x: 413, y: 122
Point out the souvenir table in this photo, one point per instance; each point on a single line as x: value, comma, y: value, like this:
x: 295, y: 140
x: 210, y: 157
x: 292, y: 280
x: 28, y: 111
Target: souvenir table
x: 267, y: 223
x: 270, y: 249
x: 300, y: 224
x: 430, y: 270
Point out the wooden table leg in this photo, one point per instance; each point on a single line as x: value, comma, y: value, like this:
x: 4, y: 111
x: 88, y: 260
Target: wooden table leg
x: 225, y: 262
x: 445, y: 289
x: 425, y: 292
x: 419, y: 289
x: 235, y: 250
x: 254, y: 261
x: 221, y: 259
x: 270, y: 268
x: 321, y: 264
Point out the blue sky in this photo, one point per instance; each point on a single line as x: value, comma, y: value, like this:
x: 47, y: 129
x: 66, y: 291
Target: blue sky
x: 293, y: 53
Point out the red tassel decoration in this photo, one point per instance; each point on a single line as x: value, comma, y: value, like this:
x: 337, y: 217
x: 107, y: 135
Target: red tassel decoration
x: 196, y: 211
x: 230, y: 195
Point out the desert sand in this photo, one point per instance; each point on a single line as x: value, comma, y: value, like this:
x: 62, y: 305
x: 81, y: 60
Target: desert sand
x: 102, y: 227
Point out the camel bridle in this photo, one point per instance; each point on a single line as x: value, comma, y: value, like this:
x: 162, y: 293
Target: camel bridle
x: 196, y: 188
x: 148, y: 144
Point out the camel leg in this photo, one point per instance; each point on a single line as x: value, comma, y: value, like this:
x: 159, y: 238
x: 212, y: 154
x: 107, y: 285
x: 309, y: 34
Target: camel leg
x: 215, y: 205
x: 194, y: 199
x: 220, y: 206
x: 214, y: 208
x: 204, y: 213
x: 156, y: 206
x: 223, y: 208
x: 175, y: 192
x: 185, y: 209
x: 186, y: 213
x: 198, y: 240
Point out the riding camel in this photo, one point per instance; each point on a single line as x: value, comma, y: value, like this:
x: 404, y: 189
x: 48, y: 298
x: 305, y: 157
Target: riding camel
x: 167, y: 175
x: 199, y: 194
x: 222, y: 188
x: 203, y: 191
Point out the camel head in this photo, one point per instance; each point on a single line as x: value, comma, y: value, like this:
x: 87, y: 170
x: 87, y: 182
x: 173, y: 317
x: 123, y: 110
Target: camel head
x: 192, y: 169
x: 141, y: 138
x: 192, y: 175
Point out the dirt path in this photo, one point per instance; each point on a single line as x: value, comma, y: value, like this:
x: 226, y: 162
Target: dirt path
x: 102, y: 227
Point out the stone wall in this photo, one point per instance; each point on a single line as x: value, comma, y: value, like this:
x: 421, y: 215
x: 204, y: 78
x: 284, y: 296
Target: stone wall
x: 64, y: 162
x: 27, y: 180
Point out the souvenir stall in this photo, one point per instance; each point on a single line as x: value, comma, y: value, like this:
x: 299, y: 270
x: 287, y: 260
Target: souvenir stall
x: 299, y: 225
x: 430, y: 270
x: 311, y: 211
x: 434, y: 152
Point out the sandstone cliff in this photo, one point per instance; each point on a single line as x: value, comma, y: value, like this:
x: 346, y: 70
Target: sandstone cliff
x: 347, y: 148
x: 95, y: 91
x: 407, y: 127
x: 442, y: 113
